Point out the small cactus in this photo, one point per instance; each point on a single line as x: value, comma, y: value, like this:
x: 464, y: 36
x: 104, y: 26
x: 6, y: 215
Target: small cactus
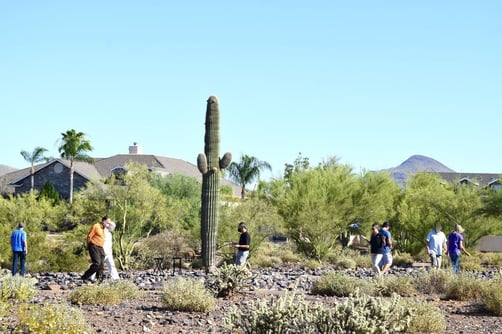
x: 210, y: 165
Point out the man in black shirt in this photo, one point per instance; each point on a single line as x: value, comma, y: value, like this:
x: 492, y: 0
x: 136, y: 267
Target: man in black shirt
x: 243, y: 245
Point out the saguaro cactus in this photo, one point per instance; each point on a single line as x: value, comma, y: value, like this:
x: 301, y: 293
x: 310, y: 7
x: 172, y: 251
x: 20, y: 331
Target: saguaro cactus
x: 210, y: 165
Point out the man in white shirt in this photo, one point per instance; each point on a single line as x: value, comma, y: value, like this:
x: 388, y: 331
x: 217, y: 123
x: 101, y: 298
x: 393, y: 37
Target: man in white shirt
x: 435, y: 244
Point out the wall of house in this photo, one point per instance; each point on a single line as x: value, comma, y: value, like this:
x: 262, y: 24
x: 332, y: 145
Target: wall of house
x: 58, y: 176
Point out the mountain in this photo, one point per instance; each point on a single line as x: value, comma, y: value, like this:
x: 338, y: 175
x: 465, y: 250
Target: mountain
x: 4, y: 169
x: 414, y: 164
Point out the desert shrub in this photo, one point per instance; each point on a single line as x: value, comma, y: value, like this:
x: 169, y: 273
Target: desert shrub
x: 492, y: 295
x: 110, y: 293
x: 51, y: 319
x: 312, y: 264
x: 272, y: 254
x: 5, y: 309
x: 227, y: 279
x: 187, y: 295
x: 16, y: 288
x: 291, y: 314
x: 471, y: 263
x: 401, y: 285
x: 340, y: 285
x: 464, y: 286
x: 355, y: 256
x: 126, y: 289
x: 346, y: 263
x: 491, y: 259
x: 433, y: 281
x: 427, y: 318
x: 402, y: 259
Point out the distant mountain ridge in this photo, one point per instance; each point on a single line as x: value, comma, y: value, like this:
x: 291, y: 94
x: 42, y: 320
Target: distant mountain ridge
x: 414, y: 164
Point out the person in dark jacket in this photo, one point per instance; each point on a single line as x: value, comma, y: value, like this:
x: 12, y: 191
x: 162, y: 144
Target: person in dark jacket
x: 243, y: 245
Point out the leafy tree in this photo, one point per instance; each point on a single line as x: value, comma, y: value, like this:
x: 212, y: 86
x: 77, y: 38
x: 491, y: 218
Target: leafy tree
x: 187, y: 191
x: 247, y: 171
x: 49, y: 192
x: 32, y: 158
x: 261, y: 218
x: 74, y: 147
x: 317, y: 205
x: 139, y: 209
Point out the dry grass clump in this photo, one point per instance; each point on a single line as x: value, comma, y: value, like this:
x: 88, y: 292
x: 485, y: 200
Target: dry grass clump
x: 51, y: 319
x: 464, y: 286
x: 187, y: 295
x: 110, y: 293
x: 340, y: 285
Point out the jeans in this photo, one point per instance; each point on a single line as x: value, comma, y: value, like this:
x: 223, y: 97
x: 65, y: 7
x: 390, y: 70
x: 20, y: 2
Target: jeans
x: 21, y: 257
x: 455, y: 260
x: 241, y: 257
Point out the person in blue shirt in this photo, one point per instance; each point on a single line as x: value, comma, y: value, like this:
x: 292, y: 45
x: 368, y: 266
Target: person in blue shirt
x: 387, y: 249
x: 19, y: 247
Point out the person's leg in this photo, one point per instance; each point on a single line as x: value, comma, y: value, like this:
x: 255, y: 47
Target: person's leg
x: 387, y: 257
x: 101, y: 265
x: 111, y: 267
x: 455, y: 261
x: 94, y: 267
x: 375, y: 263
x: 15, y: 256
x: 22, y: 256
x: 439, y: 261
x: 433, y: 257
x: 241, y: 257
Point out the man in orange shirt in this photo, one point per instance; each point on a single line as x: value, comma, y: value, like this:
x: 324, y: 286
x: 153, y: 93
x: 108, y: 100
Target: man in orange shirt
x: 95, y: 243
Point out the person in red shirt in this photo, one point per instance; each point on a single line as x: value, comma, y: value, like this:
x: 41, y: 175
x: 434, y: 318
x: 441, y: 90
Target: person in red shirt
x: 95, y: 243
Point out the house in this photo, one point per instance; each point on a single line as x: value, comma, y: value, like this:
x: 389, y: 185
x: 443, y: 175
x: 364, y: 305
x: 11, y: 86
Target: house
x: 486, y: 180
x: 57, y: 172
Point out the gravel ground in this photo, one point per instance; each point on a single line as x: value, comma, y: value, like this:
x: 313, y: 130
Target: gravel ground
x: 146, y: 315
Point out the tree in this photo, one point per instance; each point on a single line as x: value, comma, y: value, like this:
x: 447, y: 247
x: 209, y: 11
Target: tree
x: 74, y: 147
x: 247, y: 171
x: 34, y: 157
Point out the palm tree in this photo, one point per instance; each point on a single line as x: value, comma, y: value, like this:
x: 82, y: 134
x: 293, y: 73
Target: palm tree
x: 246, y: 171
x: 36, y: 156
x: 74, y: 147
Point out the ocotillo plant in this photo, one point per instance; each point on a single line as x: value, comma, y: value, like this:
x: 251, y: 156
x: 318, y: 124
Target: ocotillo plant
x: 210, y: 165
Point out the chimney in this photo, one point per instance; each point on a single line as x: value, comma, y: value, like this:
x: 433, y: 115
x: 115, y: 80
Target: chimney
x: 135, y: 149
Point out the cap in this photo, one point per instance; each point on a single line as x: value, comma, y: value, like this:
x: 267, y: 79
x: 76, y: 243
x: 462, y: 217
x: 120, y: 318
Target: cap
x: 242, y: 224
x: 386, y: 224
x: 21, y: 225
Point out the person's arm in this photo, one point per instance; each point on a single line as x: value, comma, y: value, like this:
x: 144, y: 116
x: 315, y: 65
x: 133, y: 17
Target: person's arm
x: 462, y: 248
x: 25, y: 244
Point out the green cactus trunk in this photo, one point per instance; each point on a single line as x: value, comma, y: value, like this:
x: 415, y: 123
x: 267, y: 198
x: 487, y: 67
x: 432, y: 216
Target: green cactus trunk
x: 209, y: 166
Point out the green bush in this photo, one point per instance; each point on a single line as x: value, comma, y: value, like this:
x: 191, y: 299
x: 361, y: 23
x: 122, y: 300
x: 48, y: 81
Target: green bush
x: 16, y: 288
x: 110, y: 293
x: 346, y: 263
x: 51, y: 319
x: 227, y: 279
x: 464, y: 286
x: 492, y: 294
x: 402, y: 260
x: 427, y: 318
x: 291, y: 314
x: 401, y: 285
x: 340, y: 285
x: 187, y: 295
x: 433, y: 281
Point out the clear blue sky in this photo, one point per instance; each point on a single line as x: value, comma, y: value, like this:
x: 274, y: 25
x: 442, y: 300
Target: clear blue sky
x: 370, y: 82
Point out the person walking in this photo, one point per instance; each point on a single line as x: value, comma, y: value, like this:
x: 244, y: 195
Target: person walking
x: 435, y: 244
x: 95, y: 243
x: 456, y: 246
x: 19, y: 245
x: 386, y: 262
x: 108, y: 249
x: 377, y: 243
x: 243, y: 245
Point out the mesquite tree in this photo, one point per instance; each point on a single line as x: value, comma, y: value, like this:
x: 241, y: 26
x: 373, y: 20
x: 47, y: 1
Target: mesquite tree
x: 210, y: 165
